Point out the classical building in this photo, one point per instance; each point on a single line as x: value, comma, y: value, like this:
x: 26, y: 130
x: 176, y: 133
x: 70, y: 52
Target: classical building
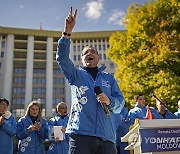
x: 29, y: 71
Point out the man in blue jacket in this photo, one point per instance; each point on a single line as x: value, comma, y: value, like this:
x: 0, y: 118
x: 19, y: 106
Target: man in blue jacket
x: 7, y: 128
x: 163, y: 111
x: 140, y: 110
x: 122, y: 128
x: 91, y: 129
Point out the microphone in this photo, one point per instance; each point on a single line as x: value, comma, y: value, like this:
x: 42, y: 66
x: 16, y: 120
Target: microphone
x: 153, y: 95
x: 98, y: 91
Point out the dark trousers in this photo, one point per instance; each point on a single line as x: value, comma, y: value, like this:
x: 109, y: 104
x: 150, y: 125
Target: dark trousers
x: 82, y: 144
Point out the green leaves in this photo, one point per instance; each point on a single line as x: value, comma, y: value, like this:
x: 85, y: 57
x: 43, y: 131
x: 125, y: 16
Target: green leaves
x: 148, y: 54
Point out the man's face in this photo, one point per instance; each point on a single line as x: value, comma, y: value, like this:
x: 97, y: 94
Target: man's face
x: 141, y: 101
x: 160, y: 106
x: 90, y: 58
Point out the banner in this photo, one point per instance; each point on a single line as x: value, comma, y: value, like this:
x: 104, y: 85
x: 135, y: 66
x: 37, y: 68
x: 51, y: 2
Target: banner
x: 160, y: 139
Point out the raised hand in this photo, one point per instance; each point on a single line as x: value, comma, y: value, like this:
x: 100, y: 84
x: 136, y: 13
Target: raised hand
x: 1, y: 119
x: 70, y: 21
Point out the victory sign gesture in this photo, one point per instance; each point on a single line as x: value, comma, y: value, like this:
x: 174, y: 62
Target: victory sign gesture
x: 70, y: 22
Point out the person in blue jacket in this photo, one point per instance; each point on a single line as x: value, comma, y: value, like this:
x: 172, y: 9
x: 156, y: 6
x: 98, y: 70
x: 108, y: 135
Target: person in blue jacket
x: 178, y: 112
x: 91, y: 129
x: 122, y: 128
x: 61, y: 119
x: 163, y: 111
x: 32, y: 130
x: 140, y: 110
x: 7, y: 128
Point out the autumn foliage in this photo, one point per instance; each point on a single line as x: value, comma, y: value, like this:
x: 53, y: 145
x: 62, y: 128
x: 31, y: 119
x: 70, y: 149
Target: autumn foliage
x: 148, y: 53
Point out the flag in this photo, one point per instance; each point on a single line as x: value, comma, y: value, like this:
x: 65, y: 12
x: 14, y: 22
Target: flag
x: 149, y: 114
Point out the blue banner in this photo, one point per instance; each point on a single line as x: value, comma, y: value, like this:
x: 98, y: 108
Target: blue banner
x: 160, y: 139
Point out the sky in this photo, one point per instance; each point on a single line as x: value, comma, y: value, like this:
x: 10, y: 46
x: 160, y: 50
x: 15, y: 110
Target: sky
x: 93, y: 15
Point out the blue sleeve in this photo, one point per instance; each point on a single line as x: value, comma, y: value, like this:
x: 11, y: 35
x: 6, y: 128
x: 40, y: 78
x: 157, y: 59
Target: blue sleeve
x: 50, y: 129
x: 44, y: 130
x: 9, y: 127
x: 116, y: 98
x: 22, y: 131
x: 132, y: 116
x: 65, y: 63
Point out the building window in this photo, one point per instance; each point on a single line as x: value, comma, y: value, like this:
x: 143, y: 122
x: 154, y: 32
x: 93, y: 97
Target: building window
x: 78, y: 48
x: 20, y: 70
x: 18, y: 101
x: 39, y: 80
x: 104, y: 47
x: 74, y: 48
x: 18, y: 112
x: 82, y: 47
x: 100, y: 55
x: 3, y: 44
x: 74, y: 57
x: 56, y: 71
x: 58, y: 90
x: 99, y: 47
x: 2, y: 55
x: 39, y: 71
x: 104, y: 56
x: 79, y: 57
x: 18, y: 90
x: 39, y: 90
x: 58, y: 80
x: 0, y: 64
x: 19, y: 80
x: 57, y: 100
x: 112, y: 65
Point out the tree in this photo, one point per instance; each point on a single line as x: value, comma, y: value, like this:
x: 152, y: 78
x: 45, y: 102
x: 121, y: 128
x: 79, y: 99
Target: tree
x: 147, y: 54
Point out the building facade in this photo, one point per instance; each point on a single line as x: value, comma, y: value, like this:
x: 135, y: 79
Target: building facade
x: 29, y: 71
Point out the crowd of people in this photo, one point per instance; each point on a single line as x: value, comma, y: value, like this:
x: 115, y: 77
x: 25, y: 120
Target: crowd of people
x: 32, y: 129
x: 98, y: 117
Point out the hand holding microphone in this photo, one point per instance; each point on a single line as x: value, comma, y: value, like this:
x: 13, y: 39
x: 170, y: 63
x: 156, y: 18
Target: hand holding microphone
x: 103, y: 99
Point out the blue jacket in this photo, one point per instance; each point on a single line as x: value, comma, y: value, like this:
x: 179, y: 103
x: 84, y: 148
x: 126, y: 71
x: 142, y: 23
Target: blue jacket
x: 31, y: 142
x: 60, y: 147
x: 122, y: 125
x: 168, y: 115
x: 140, y: 113
x: 177, y: 113
x: 87, y: 116
x: 7, y: 131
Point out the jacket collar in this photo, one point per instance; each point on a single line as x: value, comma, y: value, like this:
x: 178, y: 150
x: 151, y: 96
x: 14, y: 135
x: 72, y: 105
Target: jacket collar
x: 137, y: 105
x: 100, y: 69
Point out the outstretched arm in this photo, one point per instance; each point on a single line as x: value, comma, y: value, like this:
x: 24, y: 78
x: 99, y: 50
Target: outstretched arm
x: 70, y: 22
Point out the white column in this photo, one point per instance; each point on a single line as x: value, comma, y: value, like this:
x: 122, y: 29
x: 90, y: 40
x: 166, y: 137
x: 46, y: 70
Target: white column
x: 49, y: 77
x: 8, y: 68
x: 67, y: 95
x: 29, y: 71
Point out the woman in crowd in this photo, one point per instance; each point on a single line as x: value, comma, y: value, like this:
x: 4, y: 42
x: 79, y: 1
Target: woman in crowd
x: 7, y: 128
x: 32, y: 130
x: 58, y: 146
